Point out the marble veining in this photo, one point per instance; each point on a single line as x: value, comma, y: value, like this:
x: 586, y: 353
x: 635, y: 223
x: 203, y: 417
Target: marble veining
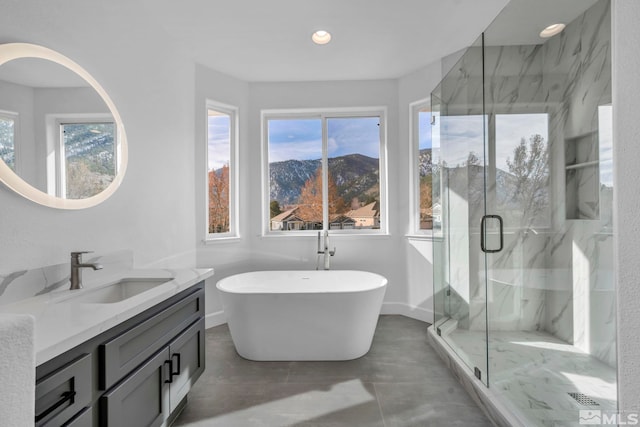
x: 546, y: 302
x: 62, y: 323
x: 531, y: 373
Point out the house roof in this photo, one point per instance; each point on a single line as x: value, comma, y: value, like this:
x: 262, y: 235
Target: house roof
x: 368, y: 211
x: 284, y: 215
x: 340, y: 218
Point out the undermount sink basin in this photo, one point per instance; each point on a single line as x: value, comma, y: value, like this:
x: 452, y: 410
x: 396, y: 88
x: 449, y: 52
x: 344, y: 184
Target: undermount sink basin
x: 116, y: 292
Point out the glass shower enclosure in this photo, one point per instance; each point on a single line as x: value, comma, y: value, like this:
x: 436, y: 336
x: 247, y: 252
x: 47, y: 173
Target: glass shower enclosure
x: 523, y: 254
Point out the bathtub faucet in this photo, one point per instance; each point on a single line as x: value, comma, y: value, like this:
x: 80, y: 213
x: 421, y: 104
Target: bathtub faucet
x: 326, y: 252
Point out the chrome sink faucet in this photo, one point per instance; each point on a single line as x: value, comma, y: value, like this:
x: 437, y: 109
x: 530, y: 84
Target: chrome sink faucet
x: 76, y: 265
x: 326, y: 252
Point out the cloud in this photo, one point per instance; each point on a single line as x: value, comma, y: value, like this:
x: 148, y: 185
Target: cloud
x: 351, y: 135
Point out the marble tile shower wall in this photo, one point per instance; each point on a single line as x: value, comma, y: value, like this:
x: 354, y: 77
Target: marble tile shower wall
x: 18, y: 285
x: 577, y: 81
x: 559, y: 278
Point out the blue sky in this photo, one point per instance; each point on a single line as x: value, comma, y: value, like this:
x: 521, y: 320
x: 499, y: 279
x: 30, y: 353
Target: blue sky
x: 301, y: 139
x: 424, y: 129
x: 219, y: 147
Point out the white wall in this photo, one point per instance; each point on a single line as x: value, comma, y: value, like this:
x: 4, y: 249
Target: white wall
x: 626, y: 153
x: 416, y: 299
x: 228, y: 256
x: 152, y: 85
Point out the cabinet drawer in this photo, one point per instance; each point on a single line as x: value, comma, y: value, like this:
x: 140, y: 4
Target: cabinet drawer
x: 141, y: 399
x: 124, y: 353
x: 64, y: 392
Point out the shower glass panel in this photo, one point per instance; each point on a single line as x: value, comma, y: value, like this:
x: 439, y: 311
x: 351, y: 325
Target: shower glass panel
x: 459, y: 127
x: 550, y: 291
x: 525, y: 289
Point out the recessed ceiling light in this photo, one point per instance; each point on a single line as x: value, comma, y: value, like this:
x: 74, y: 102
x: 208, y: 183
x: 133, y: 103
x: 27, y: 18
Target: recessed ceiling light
x: 321, y: 37
x: 552, y: 30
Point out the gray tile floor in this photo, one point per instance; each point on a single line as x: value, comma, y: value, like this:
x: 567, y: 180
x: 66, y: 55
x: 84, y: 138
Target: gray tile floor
x: 400, y: 382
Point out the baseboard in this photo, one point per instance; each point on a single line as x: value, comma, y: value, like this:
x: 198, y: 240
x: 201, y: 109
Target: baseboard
x: 215, y: 319
x: 407, y: 310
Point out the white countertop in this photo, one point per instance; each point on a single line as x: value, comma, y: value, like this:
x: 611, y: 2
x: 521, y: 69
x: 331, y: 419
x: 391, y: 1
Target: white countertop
x: 61, y: 323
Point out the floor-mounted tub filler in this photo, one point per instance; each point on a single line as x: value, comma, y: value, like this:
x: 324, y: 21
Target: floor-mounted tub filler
x: 302, y: 315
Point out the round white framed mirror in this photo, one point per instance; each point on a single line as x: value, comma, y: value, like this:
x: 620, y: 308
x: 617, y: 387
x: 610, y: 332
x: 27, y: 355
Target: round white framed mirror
x: 62, y: 141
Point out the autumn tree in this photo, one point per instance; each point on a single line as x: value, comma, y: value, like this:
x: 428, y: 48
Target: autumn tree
x: 310, y: 201
x: 425, y: 196
x: 219, y: 200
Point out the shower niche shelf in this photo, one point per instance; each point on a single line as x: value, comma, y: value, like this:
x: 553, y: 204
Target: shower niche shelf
x: 582, y: 176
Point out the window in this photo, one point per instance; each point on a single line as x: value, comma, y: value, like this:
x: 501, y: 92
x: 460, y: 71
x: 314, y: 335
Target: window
x: 221, y: 174
x: 89, y: 158
x: 8, y: 143
x: 86, y: 158
x: 425, y: 213
x: 325, y: 171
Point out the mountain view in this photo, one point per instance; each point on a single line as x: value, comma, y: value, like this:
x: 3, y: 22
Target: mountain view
x: 90, y: 158
x: 355, y: 175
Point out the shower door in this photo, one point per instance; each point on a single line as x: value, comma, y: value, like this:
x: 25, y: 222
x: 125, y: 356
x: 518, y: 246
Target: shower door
x: 459, y: 140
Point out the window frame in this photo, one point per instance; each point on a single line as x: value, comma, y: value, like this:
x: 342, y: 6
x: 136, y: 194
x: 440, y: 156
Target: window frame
x: 414, y: 155
x: 324, y: 114
x: 234, y: 227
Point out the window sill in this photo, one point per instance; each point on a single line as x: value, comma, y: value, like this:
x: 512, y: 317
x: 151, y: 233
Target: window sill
x: 422, y: 236
x: 350, y: 236
x: 215, y: 240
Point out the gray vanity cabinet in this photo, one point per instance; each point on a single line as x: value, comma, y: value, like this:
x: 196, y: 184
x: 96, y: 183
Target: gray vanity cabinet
x: 152, y: 392
x: 121, y: 354
x: 137, y: 373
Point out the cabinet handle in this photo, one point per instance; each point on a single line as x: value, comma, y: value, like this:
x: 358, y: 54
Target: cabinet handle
x: 67, y: 395
x: 170, y: 363
x: 177, y: 371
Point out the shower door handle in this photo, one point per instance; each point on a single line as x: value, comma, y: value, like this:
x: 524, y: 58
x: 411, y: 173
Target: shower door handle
x: 483, y: 224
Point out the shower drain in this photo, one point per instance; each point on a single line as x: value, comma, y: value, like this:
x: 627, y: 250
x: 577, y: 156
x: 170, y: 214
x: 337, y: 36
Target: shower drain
x: 583, y: 399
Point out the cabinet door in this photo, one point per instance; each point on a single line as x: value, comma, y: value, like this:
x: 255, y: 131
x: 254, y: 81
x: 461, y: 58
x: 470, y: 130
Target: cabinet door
x: 140, y: 399
x: 187, y: 361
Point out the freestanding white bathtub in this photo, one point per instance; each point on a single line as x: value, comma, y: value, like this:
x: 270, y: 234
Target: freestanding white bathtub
x: 302, y: 315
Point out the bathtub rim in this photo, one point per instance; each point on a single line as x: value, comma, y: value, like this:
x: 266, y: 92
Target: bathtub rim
x: 381, y: 283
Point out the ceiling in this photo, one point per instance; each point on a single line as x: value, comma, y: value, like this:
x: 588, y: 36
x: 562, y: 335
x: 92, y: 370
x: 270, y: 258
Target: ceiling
x: 270, y: 41
x: 371, y: 39
x: 521, y: 21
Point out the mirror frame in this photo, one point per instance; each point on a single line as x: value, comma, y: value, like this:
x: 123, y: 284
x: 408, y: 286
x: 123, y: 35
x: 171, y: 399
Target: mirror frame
x: 9, y: 178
